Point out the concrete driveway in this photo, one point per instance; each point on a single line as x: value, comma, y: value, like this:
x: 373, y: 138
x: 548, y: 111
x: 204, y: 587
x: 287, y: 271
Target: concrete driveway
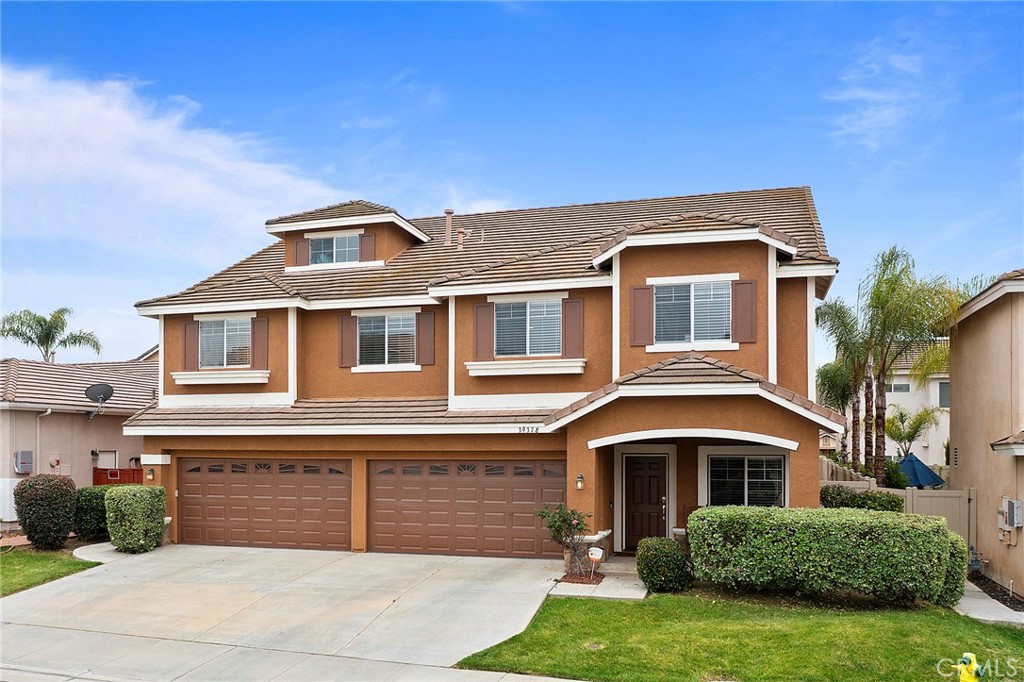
x: 224, y: 613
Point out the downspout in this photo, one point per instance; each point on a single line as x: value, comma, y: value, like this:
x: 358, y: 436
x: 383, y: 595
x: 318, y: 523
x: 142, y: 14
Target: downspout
x: 35, y: 457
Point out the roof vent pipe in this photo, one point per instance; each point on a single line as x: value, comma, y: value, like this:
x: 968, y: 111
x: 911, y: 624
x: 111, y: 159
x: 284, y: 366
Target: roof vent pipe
x: 448, y: 226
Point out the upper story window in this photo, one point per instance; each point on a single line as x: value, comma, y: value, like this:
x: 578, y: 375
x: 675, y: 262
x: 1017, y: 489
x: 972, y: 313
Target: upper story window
x: 387, y: 339
x: 944, y: 394
x: 897, y: 388
x: 225, y: 343
x: 337, y: 249
x: 685, y: 313
x: 528, y: 328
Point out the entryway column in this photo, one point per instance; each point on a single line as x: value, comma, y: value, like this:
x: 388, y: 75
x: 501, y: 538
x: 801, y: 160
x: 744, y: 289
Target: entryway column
x: 360, y: 505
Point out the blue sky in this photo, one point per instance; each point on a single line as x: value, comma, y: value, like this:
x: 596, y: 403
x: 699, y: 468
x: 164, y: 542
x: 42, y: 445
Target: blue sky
x: 145, y: 144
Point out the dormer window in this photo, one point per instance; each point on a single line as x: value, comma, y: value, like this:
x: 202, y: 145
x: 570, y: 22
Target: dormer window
x: 336, y: 249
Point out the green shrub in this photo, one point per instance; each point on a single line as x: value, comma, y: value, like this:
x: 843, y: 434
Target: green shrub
x: 956, y: 572
x: 91, y: 513
x: 663, y: 565
x: 894, y: 478
x: 45, y: 505
x: 841, y: 496
x: 897, y: 558
x: 135, y: 517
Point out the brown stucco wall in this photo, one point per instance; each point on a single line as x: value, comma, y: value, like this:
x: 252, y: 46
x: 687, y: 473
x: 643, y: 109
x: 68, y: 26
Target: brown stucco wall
x: 321, y: 377
x: 277, y: 357
x: 987, y: 404
x: 391, y: 240
x: 597, y: 315
x: 749, y: 259
x: 792, y: 335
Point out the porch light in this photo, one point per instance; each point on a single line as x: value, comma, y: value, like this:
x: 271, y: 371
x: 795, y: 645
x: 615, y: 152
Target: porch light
x: 579, y: 482
x: 150, y: 473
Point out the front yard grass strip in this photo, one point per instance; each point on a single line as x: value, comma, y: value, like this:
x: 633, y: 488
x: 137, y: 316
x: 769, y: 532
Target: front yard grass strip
x: 23, y: 567
x: 708, y: 636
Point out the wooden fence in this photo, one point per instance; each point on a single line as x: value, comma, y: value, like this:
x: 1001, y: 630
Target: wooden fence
x: 116, y: 476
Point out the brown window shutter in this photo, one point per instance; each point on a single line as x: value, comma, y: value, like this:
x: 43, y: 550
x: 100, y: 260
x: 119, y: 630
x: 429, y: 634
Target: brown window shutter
x: 348, y: 341
x: 302, y: 252
x: 483, y: 332
x: 260, y: 340
x: 572, y: 328
x: 190, y: 350
x: 424, y: 338
x: 744, y: 311
x: 367, y: 246
x: 641, y: 316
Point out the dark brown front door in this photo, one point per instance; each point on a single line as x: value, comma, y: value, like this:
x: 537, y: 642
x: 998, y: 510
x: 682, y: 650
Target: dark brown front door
x: 646, y: 496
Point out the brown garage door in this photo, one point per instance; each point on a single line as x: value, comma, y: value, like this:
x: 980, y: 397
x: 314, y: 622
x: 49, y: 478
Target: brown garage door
x: 467, y: 507
x: 265, y: 502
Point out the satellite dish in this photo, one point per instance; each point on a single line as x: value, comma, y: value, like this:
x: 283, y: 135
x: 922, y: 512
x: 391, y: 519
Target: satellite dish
x: 98, y: 393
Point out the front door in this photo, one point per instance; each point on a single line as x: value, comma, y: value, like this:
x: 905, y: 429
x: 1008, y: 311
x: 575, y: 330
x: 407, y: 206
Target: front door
x: 646, y: 488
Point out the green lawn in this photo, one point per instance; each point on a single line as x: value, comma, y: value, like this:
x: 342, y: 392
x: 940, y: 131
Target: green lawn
x: 707, y: 636
x: 22, y: 568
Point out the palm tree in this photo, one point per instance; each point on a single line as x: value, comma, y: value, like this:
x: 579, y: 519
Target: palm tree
x: 903, y: 428
x: 46, y: 333
x: 835, y: 390
x: 901, y: 310
x: 842, y: 324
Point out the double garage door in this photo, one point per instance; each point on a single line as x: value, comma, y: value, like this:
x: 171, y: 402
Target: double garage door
x: 424, y: 506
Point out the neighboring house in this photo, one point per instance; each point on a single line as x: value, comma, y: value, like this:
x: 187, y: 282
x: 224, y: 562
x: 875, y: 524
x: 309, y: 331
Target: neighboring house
x: 904, y: 391
x: 44, y: 412
x: 369, y: 382
x: 987, y: 430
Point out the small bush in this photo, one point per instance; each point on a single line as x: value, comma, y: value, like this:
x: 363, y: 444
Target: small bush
x: 663, y: 565
x: 91, y: 513
x: 897, y: 558
x: 894, y: 478
x: 45, y: 505
x: 956, y: 572
x: 841, y: 496
x: 567, y: 527
x: 135, y: 517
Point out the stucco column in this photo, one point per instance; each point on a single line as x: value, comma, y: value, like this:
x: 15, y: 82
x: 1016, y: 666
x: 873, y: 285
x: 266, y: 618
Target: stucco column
x: 580, y: 459
x: 165, y: 474
x: 358, y: 523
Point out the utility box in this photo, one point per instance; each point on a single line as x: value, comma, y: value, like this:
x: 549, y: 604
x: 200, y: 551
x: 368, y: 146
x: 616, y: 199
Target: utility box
x: 23, y: 462
x: 1011, y: 514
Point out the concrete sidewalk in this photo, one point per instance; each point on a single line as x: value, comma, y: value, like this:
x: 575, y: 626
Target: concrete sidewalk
x: 978, y: 605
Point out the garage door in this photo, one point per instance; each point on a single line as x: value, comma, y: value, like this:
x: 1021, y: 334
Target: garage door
x: 467, y: 507
x: 265, y: 502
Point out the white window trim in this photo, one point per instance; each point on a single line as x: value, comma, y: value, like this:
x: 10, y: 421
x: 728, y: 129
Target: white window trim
x: 695, y: 346
x: 377, y: 312
x: 535, y: 365
x: 221, y: 376
x: 217, y: 317
x: 527, y: 300
x: 680, y: 346
x: 334, y: 233
x: 343, y: 265
x: 225, y: 367
x: 623, y: 451
x: 705, y: 451
x: 372, y: 369
x: 690, y: 279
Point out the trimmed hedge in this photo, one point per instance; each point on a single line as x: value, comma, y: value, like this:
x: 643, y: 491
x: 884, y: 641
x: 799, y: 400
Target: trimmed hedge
x: 91, y: 513
x: 663, y: 565
x: 135, y: 517
x: 896, y: 558
x: 45, y: 505
x: 843, y: 497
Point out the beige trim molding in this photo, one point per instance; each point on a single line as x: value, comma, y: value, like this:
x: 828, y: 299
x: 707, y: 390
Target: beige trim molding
x: 504, y: 368
x: 208, y: 377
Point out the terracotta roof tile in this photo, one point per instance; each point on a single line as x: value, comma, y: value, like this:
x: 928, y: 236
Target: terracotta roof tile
x: 1012, y: 274
x: 1013, y: 439
x: 63, y: 385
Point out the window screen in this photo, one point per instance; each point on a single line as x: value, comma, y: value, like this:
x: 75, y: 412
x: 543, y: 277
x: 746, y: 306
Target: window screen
x: 387, y: 339
x: 897, y: 388
x: 943, y: 394
x: 334, y: 249
x: 752, y: 481
x: 672, y: 313
x: 693, y: 312
x: 528, y: 328
x: 224, y: 343
x: 712, y: 317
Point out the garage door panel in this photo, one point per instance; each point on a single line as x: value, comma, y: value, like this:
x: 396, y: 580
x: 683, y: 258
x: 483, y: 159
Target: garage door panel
x: 452, y: 507
x: 265, y: 502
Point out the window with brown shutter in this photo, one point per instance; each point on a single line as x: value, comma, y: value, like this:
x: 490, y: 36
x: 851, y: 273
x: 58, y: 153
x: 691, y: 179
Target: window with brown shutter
x: 641, y: 316
x: 260, y: 343
x: 744, y: 311
x: 190, y: 349
x: 483, y: 332
x: 572, y: 328
x: 367, y: 246
x: 348, y: 343
x: 425, y: 338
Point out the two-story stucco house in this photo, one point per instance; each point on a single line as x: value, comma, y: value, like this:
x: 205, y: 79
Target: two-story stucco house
x: 374, y: 383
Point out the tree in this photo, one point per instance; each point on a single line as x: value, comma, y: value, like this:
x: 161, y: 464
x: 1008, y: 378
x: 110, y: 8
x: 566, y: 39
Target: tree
x: 835, y: 390
x: 901, y: 310
x: 46, y: 333
x: 903, y: 428
x: 842, y: 324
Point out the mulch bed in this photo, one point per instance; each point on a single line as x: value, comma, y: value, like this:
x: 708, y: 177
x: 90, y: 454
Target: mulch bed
x: 997, y: 592
x: 584, y: 579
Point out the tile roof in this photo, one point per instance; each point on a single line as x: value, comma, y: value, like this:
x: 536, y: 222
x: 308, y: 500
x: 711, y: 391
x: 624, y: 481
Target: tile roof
x: 513, y: 245
x: 1014, y: 439
x: 348, y: 209
x: 63, y: 385
x: 1012, y: 274
x: 694, y: 368
x: 905, y: 361
x: 308, y: 412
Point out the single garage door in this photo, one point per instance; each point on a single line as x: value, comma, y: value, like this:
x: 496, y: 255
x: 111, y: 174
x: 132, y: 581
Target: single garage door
x: 265, y: 502
x: 463, y: 507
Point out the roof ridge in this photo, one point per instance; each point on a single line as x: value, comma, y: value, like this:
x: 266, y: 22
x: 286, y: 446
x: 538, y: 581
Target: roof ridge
x: 274, y: 279
x: 203, y: 286
x: 10, y: 385
x: 350, y: 202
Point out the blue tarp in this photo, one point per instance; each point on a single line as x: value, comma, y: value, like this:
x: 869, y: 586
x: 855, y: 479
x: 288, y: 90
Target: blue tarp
x: 918, y: 473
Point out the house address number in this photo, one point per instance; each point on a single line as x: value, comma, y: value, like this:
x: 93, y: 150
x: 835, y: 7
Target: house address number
x: 529, y: 429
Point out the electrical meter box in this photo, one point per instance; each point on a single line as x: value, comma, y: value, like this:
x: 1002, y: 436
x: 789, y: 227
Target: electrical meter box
x: 1011, y: 514
x: 23, y: 462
